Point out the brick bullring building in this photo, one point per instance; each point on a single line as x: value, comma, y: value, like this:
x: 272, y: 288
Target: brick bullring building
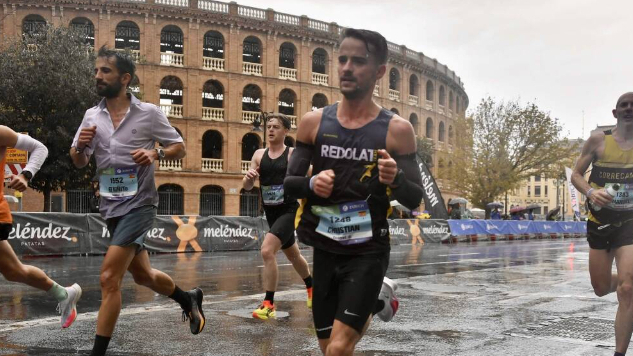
x: 212, y: 66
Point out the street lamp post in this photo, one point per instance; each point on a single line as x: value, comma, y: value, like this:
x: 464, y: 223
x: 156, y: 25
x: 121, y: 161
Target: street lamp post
x: 257, y: 123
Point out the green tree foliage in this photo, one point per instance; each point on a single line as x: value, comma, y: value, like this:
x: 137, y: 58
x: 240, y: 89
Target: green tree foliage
x: 46, y: 85
x: 505, y: 145
x: 425, y: 149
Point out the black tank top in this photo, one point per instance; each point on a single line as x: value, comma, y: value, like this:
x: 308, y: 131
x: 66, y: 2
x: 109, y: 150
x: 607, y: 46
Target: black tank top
x: 357, y: 194
x: 271, y: 179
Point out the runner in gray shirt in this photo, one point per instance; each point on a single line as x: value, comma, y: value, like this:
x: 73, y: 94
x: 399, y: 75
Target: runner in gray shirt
x: 122, y: 132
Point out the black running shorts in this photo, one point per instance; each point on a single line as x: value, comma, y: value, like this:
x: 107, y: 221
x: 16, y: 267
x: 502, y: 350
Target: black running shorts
x: 346, y: 288
x: 282, y: 224
x: 609, y: 237
x: 5, y: 230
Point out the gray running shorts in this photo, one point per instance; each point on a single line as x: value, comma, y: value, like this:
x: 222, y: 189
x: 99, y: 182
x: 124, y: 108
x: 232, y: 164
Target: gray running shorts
x: 132, y: 227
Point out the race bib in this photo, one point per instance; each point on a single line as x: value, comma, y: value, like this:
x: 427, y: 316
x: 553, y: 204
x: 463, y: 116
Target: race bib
x: 273, y: 194
x: 118, y: 183
x: 347, y: 224
x: 623, y: 198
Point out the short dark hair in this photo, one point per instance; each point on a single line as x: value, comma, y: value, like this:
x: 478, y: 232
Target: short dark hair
x: 371, y: 39
x: 285, y: 121
x: 122, y: 60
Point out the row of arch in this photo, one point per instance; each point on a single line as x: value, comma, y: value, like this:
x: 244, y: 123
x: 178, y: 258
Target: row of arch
x: 414, y: 89
x: 212, y: 198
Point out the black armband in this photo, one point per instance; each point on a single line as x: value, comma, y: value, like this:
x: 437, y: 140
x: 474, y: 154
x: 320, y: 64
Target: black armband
x: 296, y: 184
x: 407, y: 188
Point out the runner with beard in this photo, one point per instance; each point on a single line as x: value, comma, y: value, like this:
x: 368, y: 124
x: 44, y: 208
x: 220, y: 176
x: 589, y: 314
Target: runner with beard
x: 269, y: 165
x: 361, y: 155
x: 122, y: 132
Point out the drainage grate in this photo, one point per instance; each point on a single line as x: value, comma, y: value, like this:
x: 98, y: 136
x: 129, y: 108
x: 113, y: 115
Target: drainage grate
x: 584, y: 329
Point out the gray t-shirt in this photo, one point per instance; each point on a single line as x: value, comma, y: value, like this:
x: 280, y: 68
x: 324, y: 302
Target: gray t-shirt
x: 143, y: 125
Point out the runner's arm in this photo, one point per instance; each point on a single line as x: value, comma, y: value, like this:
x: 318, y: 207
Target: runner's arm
x: 249, y: 178
x: 407, y: 185
x: 588, y: 154
x: 38, y: 152
x: 296, y: 184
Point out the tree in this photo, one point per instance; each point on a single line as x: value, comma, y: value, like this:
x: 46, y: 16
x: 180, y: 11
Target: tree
x: 505, y: 145
x: 46, y: 85
x: 425, y: 149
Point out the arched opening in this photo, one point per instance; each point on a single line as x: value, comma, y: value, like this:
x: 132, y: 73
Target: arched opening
x: 395, y: 111
x: 250, y: 144
x: 171, y: 96
x: 289, y: 141
x: 450, y: 100
x: 442, y: 98
x: 212, y: 144
x: 249, y: 202
x: 251, y: 98
x: 287, y: 55
x: 251, y: 51
x: 135, y: 86
x: 287, y: 100
x: 450, y: 134
x: 429, y: 90
x: 33, y: 25
x: 413, y: 119
x: 319, y: 101
x: 172, y: 46
x: 413, y: 85
x: 213, y: 94
x: 394, y: 79
x: 211, y: 200
x: 441, y: 132
x: 213, y: 45
x: 429, y: 128
x: 85, y: 29
x: 171, y: 199
x: 319, y: 61
x: 127, y: 36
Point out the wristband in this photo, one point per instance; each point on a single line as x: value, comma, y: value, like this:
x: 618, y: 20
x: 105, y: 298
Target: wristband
x: 80, y: 150
x: 589, y: 192
x: 312, y: 183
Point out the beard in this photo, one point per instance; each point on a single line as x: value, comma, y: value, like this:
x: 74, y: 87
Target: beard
x: 109, y: 90
x: 355, y: 93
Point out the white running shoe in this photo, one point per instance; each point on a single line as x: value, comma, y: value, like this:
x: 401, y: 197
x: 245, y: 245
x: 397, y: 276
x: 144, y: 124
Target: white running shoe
x: 391, y: 302
x: 68, y: 307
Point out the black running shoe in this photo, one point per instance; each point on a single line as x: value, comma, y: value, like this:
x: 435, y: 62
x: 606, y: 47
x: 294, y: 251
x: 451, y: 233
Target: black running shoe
x: 195, y: 315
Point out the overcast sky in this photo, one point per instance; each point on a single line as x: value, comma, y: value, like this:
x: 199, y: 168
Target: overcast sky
x: 567, y: 56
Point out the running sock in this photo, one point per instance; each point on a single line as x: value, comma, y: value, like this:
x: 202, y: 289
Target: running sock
x: 182, y: 298
x: 380, y: 305
x: 270, y: 296
x: 618, y: 354
x: 308, y: 281
x: 58, y: 292
x: 101, y: 345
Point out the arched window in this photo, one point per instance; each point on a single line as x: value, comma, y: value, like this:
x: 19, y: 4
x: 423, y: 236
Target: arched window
x: 450, y: 134
x: 172, y: 40
x: 413, y: 119
x: 287, y: 55
x: 252, y: 50
x: 450, y: 100
x: 250, y: 144
x: 213, y: 94
x: 319, y: 101
x: 319, y: 61
x: 213, y: 45
x: 171, y: 199
x: 127, y: 35
x: 441, y: 132
x: 171, y: 96
x: 135, y: 86
x: 249, y: 202
x: 211, y: 200
x: 287, y: 101
x: 33, y: 25
x: 212, y: 144
x: 442, y: 98
x: 429, y: 128
x: 85, y: 29
x: 394, y: 79
x: 429, y: 90
x: 251, y: 98
x: 395, y: 111
x: 457, y: 104
x: 413, y: 85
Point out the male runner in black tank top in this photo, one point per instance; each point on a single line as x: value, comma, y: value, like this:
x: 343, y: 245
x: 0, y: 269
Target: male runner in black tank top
x: 344, y: 213
x: 269, y: 165
x: 610, y: 223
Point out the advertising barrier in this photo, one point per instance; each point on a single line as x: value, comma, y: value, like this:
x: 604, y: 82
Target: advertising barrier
x: 73, y: 234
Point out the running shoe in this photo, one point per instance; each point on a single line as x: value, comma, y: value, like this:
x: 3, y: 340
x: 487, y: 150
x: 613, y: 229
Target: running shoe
x: 309, y: 301
x: 391, y: 302
x: 195, y: 315
x: 265, y: 311
x: 68, y: 307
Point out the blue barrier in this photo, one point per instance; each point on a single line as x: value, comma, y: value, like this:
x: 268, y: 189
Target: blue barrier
x: 513, y: 227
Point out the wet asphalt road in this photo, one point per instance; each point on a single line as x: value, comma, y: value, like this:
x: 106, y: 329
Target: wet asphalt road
x: 488, y: 298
